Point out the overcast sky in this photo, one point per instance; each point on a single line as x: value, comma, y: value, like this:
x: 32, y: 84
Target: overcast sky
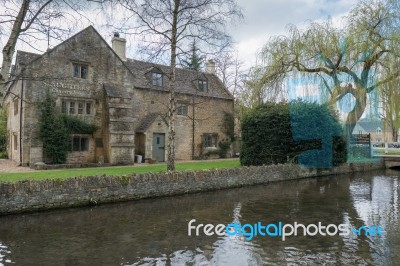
x: 267, y: 18
x: 263, y: 19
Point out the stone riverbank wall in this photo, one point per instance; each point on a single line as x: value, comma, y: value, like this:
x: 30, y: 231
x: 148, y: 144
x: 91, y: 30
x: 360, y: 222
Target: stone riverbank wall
x: 27, y: 196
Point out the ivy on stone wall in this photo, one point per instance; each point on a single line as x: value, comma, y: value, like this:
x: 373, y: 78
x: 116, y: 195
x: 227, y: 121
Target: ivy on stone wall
x: 229, y: 125
x: 56, y: 130
x: 3, y: 133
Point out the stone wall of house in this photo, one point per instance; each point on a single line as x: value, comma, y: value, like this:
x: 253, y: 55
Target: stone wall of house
x: 116, y: 114
x: 121, y: 134
x: 385, y: 136
x: 13, y: 122
x: 208, y: 113
x: 74, y: 157
x: 54, y: 71
x: 25, y: 196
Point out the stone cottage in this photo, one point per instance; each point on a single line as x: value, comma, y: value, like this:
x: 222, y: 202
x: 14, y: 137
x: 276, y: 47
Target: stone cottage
x: 126, y: 99
x: 376, y: 128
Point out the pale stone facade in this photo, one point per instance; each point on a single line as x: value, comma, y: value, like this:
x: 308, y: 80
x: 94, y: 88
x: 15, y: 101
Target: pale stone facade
x: 126, y: 99
x: 376, y: 129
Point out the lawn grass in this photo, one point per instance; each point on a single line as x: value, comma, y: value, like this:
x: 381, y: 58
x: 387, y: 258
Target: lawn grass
x: 115, y: 170
x: 363, y: 160
x: 388, y: 152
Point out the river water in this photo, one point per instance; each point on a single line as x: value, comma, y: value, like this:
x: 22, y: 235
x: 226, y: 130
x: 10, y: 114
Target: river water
x: 155, y: 231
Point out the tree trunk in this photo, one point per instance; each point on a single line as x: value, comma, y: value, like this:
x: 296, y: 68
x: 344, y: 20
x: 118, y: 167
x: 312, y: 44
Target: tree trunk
x: 394, y: 133
x: 172, y: 100
x: 9, y: 48
x: 361, y: 103
x: 354, y: 115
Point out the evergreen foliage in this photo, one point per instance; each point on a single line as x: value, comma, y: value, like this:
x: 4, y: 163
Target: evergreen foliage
x: 56, y: 130
x: 194, y: 61
x: 303, y: 132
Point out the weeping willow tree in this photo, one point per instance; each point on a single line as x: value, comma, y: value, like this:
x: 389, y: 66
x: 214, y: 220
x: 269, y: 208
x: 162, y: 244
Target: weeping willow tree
x: 389, y: 95
x: 350, y: 59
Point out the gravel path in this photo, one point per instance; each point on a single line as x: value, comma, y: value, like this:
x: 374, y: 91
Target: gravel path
x: 8, y: 166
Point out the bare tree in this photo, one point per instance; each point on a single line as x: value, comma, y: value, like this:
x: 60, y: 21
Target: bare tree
x: 34, y: 22
x: 230, y: 70
x: 166, y: 26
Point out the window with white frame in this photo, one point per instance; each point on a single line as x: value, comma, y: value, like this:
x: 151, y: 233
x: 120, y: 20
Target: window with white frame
x: 378, y: 130
x: 181, y: 109
x: 16, y: 106
x: 80, y: 107
x: 80, y: 143
x: 157, y: 79
x: 210, y: 140
x: 80, y: 70
x: 202, y: 85
x: 15, y: 138
x: 71, y: 107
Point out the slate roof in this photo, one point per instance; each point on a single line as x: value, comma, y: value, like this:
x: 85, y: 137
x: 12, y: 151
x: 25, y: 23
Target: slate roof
x: 186, y: 80
x: 370, y: 125
x: 116, y: 92
x: 24, y: 58
x: 148, y: 120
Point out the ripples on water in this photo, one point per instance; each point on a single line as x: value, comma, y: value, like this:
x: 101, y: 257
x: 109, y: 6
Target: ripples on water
x: 154, y: 232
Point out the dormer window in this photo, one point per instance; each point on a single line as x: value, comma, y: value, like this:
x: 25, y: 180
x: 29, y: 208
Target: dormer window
x: 80, y: 70
x: 379, y: 131
x: 202, y: 85
x: 157, y: 79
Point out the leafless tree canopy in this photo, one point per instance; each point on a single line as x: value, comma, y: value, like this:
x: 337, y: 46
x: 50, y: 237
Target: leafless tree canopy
x: 202, y: 20
x: 35, y: 23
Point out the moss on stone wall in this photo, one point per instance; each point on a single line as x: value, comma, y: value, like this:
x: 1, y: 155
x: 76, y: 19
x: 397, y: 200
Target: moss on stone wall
x: 26, y: 196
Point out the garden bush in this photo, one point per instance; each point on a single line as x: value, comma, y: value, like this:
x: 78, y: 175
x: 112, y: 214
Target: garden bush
x: 303, y: 132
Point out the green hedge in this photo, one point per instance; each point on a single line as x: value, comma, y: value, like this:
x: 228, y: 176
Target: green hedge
x: 359, y: 151
x: 302, y: 132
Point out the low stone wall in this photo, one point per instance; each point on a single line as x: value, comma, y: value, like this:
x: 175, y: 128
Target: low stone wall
x: 25, y: 196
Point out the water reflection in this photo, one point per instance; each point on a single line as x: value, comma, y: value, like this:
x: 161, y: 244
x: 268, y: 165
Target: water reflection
x: 154, y: 232
x: 4, y: 254
x: 376, y: 202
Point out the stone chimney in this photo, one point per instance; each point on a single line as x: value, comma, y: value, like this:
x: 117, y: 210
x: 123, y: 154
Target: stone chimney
x: 119, y: 46
x: 210, y: 67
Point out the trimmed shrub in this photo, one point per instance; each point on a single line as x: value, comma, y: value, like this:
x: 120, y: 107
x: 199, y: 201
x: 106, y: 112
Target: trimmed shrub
x: 303, y: 132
